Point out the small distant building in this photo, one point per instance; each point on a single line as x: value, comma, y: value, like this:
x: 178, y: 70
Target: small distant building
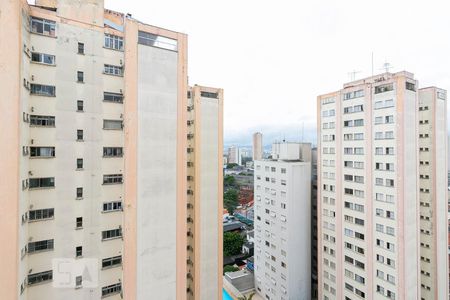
x: 242, y: 280
x: 234, y: 226
x: 257, y: 146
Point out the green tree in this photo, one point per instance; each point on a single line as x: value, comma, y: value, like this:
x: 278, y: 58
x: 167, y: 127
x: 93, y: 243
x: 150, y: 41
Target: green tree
x: 230, y: 268
x: 230, y: 200
x: 232, y: 243
x: 231, y: 166
x: 229, y: 181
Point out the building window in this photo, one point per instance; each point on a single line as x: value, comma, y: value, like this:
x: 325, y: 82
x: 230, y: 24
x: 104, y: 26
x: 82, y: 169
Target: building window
x: 112, y: 97
x: 80, y: 105
x: 80, y: 76
x: 42, y: 151
x: 80, y: 48
x: 43, y: 58
x: 43, y: 26
x: 42, y: 90
x: 43, y: 182
x: 79, y: 192
x: 44, y: 121
x: 112, y: 124
x: 149, y: 39
x: 384, y: 88
x: 113, y: 70
x: 111, y: 234
x: 79, y: 135
x: 209, y: 95
x: 112, y: 289
x: 410, y: 86
x: 112, y: 179
x: 112, y: 206
x: 79, y: 163
x: 40, y: 277
x: 111, y: 262
x: 79, y: 251
x: 113, y: 42
x: 78, y: 281
x: 112, y: 151
x: 41, y: 214
x: 79, y: 222
x: 40, y: 246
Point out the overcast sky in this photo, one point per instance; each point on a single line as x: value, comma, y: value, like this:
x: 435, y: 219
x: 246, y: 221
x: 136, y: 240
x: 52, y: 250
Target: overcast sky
x: 274, y: 57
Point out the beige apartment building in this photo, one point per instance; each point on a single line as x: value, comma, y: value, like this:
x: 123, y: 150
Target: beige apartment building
x: 382, y: 210
x: 257, y: 146
x: 111, y: 158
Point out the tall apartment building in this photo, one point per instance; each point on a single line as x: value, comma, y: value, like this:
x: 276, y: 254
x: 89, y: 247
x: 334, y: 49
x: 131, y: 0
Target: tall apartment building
x: 314, y: 250
x: 100, y: 147
x: 381, y: 195
x: 282, y: 255
x: 234, y: 155
x: 257, y: 146
x: 205, y: 186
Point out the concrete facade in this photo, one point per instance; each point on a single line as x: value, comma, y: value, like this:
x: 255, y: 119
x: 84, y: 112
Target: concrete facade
x: 282, y: 228
x: 369, y: 149
x: 98, y: 110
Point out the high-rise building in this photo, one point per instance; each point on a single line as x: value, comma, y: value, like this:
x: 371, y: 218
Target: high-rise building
x: 99, y: 123
x: 257, y: 146
x: 205, y: 192
x: 382, y: 196
x: 234, y: 155
x: 314, y: 250
x: 282, y: 255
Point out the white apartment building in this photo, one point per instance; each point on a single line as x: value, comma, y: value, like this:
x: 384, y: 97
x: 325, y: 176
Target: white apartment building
x: 234, y: 155
x: 283, y: 224
x: 381, y: 197
x: 101, y: 139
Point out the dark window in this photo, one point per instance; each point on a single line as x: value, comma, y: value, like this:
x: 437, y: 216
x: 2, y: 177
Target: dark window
x: 149, y: 39
x: 112, y: 151
x: 80, y: 76
x: 42, y: 151
x: 41, y: 214
x: 79, y: 192
x: 42, y: 90
x: 42, y: 182
x: 112, y: 261
x: 40, y: 246
x: 111, y: 234
x: 209, y: 95
x: 43, y: 58
x: 79, y: 134
x: 410, y: 86
x: 79, y: 163
x: 46, y: 121
x: 79, y: 222
x: 80, y: 48
x: 112, y: 97
x: 80, y: 105
x: 79, y: 251
x: 112, y: 179
x: 40, y: 277
x: 384, y: 88
x: 111, y: 289
x: 43, y: 26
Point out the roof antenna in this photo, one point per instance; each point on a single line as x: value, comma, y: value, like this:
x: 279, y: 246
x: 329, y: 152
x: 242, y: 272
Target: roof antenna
x: 352, y: 75
x: 386, y: 66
